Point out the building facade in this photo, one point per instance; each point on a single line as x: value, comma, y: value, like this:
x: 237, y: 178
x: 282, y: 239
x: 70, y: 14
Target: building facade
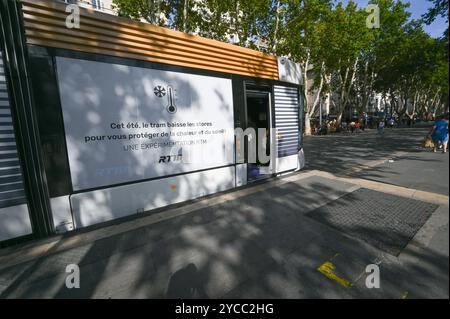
x: 105, y: 6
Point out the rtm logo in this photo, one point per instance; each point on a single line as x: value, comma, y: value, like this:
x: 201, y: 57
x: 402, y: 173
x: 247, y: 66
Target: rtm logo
x: 170, y: 158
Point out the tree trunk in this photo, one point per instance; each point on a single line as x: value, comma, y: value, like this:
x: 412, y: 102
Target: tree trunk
x: 310, y: 112
x: 344, y: 90
x: 157, y: 12
x: 339, y: 118
x: 151, y: 12
x: 237, y: 22
x: 185, y: 15
x: 275, y: 32
x: 307, y: 124
x: 352, y: 80
x: 319, y: 90
x: 305, y: 65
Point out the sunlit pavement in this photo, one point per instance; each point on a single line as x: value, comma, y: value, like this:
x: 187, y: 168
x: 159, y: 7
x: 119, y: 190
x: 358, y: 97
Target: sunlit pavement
x: 266, y: 241
x: 396, y: 158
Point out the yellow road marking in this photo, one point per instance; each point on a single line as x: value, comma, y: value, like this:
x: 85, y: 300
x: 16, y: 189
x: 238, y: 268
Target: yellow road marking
x: 327, y: 269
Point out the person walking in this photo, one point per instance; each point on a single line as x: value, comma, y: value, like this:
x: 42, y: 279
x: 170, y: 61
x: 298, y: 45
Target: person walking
x: 381, y: 127
x: 352, y: 126
x: 364, y: 118
x: 391, y: 122
x: 344, y: 126
x: 358, y: 126
x: 439, y: 133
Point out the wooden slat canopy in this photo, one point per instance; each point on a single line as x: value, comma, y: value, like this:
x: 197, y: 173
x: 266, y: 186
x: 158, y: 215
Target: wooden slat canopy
x: 110, y: 35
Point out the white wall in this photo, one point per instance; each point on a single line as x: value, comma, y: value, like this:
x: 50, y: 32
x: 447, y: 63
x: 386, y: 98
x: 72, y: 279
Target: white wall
x: 14, y: 222
x: 287, y: 163
x: 100, y: 101
x: 62, y: 213
x: 98, y: 206
x: 289, y: 71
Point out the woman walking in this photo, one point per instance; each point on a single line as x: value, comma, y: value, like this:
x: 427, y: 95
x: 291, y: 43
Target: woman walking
x: 381, y: 127
x: 439, y: 133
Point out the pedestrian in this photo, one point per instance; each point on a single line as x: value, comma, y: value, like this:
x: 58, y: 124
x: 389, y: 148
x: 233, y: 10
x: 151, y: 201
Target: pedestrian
x: 439, y: 133
x: 357, y: 126
x: 381, y: 127
x: 344, y: 126
x: 352, y: 126
x: 391, y: 123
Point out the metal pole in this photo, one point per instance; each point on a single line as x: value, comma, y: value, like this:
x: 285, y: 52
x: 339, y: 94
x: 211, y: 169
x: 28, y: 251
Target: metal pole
x: 320, y: 114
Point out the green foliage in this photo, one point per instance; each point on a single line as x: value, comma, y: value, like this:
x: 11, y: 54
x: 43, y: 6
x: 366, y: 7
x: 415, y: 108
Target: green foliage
x: 331, y: 40
x: 440, y: 8
x: 138, y: 9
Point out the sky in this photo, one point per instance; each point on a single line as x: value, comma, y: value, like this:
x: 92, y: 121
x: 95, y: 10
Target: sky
x: 417, y: 8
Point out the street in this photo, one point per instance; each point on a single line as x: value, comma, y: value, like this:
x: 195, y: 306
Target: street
x: 412, y: 166
x: 363, y: 199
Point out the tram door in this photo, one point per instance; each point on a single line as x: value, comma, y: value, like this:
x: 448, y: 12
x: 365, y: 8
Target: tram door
x: 259, y: 118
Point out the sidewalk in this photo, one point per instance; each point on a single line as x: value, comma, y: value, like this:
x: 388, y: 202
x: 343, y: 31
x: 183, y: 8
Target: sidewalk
x: 258, y: 242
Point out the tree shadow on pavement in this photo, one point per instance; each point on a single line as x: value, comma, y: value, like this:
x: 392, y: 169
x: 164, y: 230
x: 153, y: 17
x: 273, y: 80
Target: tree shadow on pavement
x: 258, y: 246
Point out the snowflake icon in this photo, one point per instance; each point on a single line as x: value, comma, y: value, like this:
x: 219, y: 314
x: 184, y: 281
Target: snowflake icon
x: 159, y: 91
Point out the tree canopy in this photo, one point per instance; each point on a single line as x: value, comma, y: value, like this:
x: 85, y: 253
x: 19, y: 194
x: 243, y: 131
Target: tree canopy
x: 350, y: 61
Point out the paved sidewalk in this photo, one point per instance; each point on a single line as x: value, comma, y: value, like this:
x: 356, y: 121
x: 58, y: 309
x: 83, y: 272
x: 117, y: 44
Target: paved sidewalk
x: 260, y: 245
x: 256, y: 242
